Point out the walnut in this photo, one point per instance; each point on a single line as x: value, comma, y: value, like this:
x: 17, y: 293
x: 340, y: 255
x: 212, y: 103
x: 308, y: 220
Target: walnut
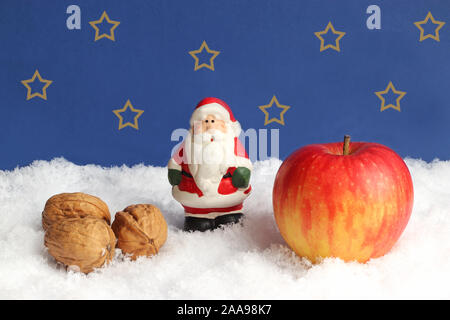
x: 81, y: 243
x: 140, y: 230
x: 74, y: 205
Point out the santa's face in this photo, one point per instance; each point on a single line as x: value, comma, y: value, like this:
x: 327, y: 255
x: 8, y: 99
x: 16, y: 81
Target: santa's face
x: 210, y: 125
x: 211, y: 137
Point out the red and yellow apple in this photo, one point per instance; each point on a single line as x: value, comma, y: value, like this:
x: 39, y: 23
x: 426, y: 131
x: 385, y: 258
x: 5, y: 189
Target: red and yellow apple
x: 352, y: 204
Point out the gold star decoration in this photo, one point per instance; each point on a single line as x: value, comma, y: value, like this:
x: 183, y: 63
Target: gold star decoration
x: 322, y: 40
x: 138, y: 112
x: 211, y: 60
x: 278, y: 105
x: 42, y: 95
x: 383, y: 101
x: 109, y: 36
x: 425, y: 21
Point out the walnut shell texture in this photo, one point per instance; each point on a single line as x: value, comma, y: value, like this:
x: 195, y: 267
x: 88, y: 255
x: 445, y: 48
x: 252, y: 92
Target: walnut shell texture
x: 74, y: 205
x: 140, y: 229
x: 81, y: 243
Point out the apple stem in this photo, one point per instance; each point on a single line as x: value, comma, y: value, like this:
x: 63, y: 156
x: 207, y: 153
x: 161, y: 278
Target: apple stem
x: 346, y: 144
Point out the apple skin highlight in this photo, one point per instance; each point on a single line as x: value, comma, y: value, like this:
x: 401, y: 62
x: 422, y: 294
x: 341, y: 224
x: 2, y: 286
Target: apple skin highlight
x: 353, y: 207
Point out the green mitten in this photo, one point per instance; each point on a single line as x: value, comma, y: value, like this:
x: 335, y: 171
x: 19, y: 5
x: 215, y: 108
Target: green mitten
x: 241, y: 177
x: 174, y: 177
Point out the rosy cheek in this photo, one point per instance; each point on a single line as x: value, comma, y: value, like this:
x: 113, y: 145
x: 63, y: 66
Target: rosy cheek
x: 198, y: 127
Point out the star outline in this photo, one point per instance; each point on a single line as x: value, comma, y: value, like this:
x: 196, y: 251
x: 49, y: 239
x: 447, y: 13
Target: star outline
x: 194, y: 53
x: 270, y: 105
x: 42, y: 95
x: 400, y: 94
x: 111, y: 35
x: 336, y: 46
x: 128, y: 105
x: 419, y: 24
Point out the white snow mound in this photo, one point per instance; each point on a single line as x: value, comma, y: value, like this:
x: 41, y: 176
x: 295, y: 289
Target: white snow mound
x: 239, y: 262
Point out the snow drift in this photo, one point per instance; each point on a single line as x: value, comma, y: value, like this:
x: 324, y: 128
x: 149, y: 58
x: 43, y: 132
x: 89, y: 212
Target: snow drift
x: 238, y: 262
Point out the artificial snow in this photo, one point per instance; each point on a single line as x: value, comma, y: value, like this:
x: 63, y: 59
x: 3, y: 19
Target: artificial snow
x: 238, y: 262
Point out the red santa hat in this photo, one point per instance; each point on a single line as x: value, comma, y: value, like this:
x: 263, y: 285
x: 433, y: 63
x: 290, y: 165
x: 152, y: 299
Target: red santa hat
x: 219, y: 109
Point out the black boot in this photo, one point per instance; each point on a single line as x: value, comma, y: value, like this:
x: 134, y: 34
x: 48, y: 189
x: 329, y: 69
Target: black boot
x: 198, y: 224
x: 228, y: 219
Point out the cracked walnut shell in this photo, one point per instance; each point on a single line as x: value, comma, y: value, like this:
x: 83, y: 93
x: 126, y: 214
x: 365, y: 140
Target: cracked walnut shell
x: 81, y: 243
x: 140, y: 230
x: 74, y: 205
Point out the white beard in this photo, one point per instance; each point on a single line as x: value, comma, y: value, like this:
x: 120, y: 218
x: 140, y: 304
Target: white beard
x: 210, y: 160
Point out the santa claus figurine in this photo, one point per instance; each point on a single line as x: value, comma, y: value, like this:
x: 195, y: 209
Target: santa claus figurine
x: 210, y: 172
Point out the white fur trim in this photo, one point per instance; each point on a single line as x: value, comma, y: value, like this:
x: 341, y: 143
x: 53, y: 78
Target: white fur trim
x: 244, y: 162
x: 212, y: 201
x: 236, y: 126
x: 173, y: 165
x: 214, y: 108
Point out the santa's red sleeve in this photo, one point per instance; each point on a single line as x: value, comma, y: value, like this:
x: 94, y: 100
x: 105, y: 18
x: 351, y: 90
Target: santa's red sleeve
x: 177, y: 159
x: 241, y: 155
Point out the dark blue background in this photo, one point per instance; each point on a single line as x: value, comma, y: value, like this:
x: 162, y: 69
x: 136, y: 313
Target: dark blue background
x: 266, y: 48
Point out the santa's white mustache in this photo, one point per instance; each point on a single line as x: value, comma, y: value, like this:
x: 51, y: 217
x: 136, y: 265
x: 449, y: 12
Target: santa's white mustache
x: 210, y: 136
